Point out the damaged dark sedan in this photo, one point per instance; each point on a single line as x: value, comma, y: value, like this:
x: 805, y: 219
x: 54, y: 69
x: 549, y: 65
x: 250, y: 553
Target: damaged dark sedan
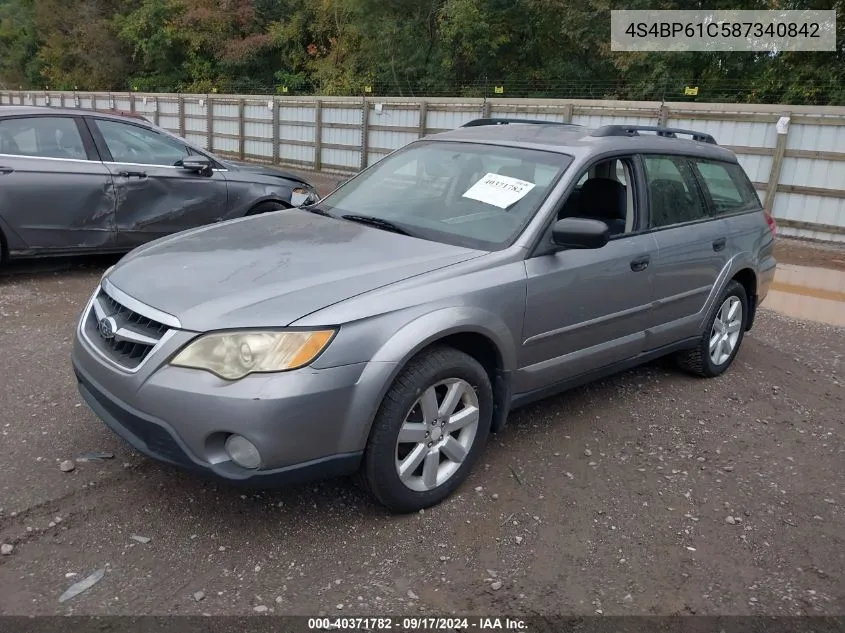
x: 76, y: 181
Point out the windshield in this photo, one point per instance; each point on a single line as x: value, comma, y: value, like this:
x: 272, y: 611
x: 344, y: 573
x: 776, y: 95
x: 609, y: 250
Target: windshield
x: 472, y: 195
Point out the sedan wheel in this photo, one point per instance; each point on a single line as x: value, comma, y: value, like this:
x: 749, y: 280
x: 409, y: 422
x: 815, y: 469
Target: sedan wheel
x: 431, y: 426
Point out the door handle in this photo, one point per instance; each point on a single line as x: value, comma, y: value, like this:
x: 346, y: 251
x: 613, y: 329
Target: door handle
x: 132, y: 174
x: 641, y: 263
x: 5, y: 170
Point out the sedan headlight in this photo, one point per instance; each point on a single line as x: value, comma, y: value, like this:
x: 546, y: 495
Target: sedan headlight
x: 304, y: 195
x: 233, y: 355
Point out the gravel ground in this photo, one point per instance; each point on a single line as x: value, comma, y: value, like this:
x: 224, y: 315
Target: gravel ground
x: 647, y: 493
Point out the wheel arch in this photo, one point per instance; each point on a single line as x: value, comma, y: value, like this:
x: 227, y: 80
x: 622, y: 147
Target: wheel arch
x: 748, y: 279
x: 741, y: 268
x: 256, y: 206
x: 478, y: 333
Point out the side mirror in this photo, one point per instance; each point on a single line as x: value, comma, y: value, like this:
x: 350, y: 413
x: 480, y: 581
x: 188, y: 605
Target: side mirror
x: 199, y: 164
x: 580, y: 233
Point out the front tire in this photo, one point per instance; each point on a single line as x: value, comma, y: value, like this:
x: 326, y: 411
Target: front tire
x: 430, y: 429
x: 722, y: 335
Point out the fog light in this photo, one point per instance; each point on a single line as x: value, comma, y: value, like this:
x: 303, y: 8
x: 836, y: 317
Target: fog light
x: 243, y: 452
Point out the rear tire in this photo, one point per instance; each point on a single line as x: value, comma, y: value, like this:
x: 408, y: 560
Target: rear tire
x: 442, y: 403
x: 267, y: 207
x: 722, y: 335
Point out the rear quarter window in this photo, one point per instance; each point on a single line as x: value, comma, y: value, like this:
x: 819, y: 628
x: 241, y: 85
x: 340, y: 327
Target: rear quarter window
x: 673, y: 192
x: 727, y: 187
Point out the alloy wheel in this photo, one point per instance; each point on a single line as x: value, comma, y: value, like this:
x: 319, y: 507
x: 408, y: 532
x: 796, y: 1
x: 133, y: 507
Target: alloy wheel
x: 725, y: 331
x: 437, y: 434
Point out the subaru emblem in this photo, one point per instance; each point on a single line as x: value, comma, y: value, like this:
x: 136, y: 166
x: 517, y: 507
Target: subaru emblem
x: 107, y: 327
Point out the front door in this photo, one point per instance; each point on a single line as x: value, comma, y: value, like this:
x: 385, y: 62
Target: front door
x: 55, y: 194
x: 155, y: 195
x: 587, y: 309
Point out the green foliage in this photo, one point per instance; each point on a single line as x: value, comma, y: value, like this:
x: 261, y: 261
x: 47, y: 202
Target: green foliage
x: 534, y: 48
x: 19, y: 64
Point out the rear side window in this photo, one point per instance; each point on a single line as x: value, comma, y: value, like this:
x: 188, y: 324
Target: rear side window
x: 42, y: 137
x: 135, y: 144
x: 727, y: 186
x: 673, y: 192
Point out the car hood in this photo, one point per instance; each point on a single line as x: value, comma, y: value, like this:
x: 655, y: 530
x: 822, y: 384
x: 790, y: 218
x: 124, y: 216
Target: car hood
x: 262, y: 170
x: 270, y: 270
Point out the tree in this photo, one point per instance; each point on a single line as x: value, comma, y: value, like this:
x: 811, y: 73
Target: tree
x: 19, y: 64
x: 79, y: 46
x: 534, y: 48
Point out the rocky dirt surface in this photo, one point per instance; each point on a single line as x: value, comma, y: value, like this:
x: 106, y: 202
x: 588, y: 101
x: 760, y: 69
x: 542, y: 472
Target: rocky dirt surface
x: 647, y: 493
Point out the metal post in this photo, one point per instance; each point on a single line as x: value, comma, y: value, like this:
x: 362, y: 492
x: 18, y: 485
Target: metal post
x: 567, y: 113
x: 132, y: 106
x: 485, y: 109
x: 662, y: 115
x: 209, y: 123
x: 777, y: 161
x: 318, y: 136
x: 423, y: 117
x: 365, y: 132
x: 241, y: 129
x: 181, y: 116
x: 276, y: 118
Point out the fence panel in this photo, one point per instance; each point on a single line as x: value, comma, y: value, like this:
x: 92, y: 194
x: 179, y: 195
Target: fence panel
x: 195, y: 116
x: 801, y: 166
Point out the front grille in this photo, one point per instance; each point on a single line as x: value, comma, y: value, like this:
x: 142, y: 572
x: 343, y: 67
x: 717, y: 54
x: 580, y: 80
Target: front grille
x: 128, y: 338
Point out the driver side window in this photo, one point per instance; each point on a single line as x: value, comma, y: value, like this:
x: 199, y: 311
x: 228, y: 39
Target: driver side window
x: 605, y: 192
x: 135, y: 144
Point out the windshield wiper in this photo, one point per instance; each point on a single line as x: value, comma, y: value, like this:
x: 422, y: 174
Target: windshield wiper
x: 387, y: 225
x: 313, y: 208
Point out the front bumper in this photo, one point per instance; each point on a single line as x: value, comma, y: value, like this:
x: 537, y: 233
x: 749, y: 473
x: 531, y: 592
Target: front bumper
x: 156, y: 439
x: 307, y: 424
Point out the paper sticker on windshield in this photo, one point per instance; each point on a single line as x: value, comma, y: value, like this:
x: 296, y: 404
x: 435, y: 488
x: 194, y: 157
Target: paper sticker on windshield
x: 500, y: 191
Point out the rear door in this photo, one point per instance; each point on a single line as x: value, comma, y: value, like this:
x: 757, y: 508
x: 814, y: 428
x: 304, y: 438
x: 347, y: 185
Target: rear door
x: 155, y: 195
x: 55, y: 194
x: 691, y: 249
x: 731, y: 196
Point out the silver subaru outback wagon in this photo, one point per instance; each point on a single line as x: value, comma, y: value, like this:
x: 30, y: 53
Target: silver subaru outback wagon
x: 388, y: 329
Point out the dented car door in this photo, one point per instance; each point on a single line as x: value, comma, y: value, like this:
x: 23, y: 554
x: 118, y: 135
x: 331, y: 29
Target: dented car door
x: 155, y: 195
x: 55, y: 194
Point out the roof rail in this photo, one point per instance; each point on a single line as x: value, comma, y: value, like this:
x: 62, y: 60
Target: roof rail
x: 668, y: 132
x: 494, y: 121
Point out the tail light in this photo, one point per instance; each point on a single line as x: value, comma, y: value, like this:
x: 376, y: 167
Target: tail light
x: 770, y: 220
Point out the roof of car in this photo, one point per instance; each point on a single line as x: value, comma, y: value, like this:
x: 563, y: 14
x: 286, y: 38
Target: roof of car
x: 14, y: 110
x: 575, y: 140
x: 579, y: 141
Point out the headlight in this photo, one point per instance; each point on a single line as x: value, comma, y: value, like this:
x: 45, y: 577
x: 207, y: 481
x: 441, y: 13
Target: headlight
x: 303, y: 195
x: 233, y: 355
